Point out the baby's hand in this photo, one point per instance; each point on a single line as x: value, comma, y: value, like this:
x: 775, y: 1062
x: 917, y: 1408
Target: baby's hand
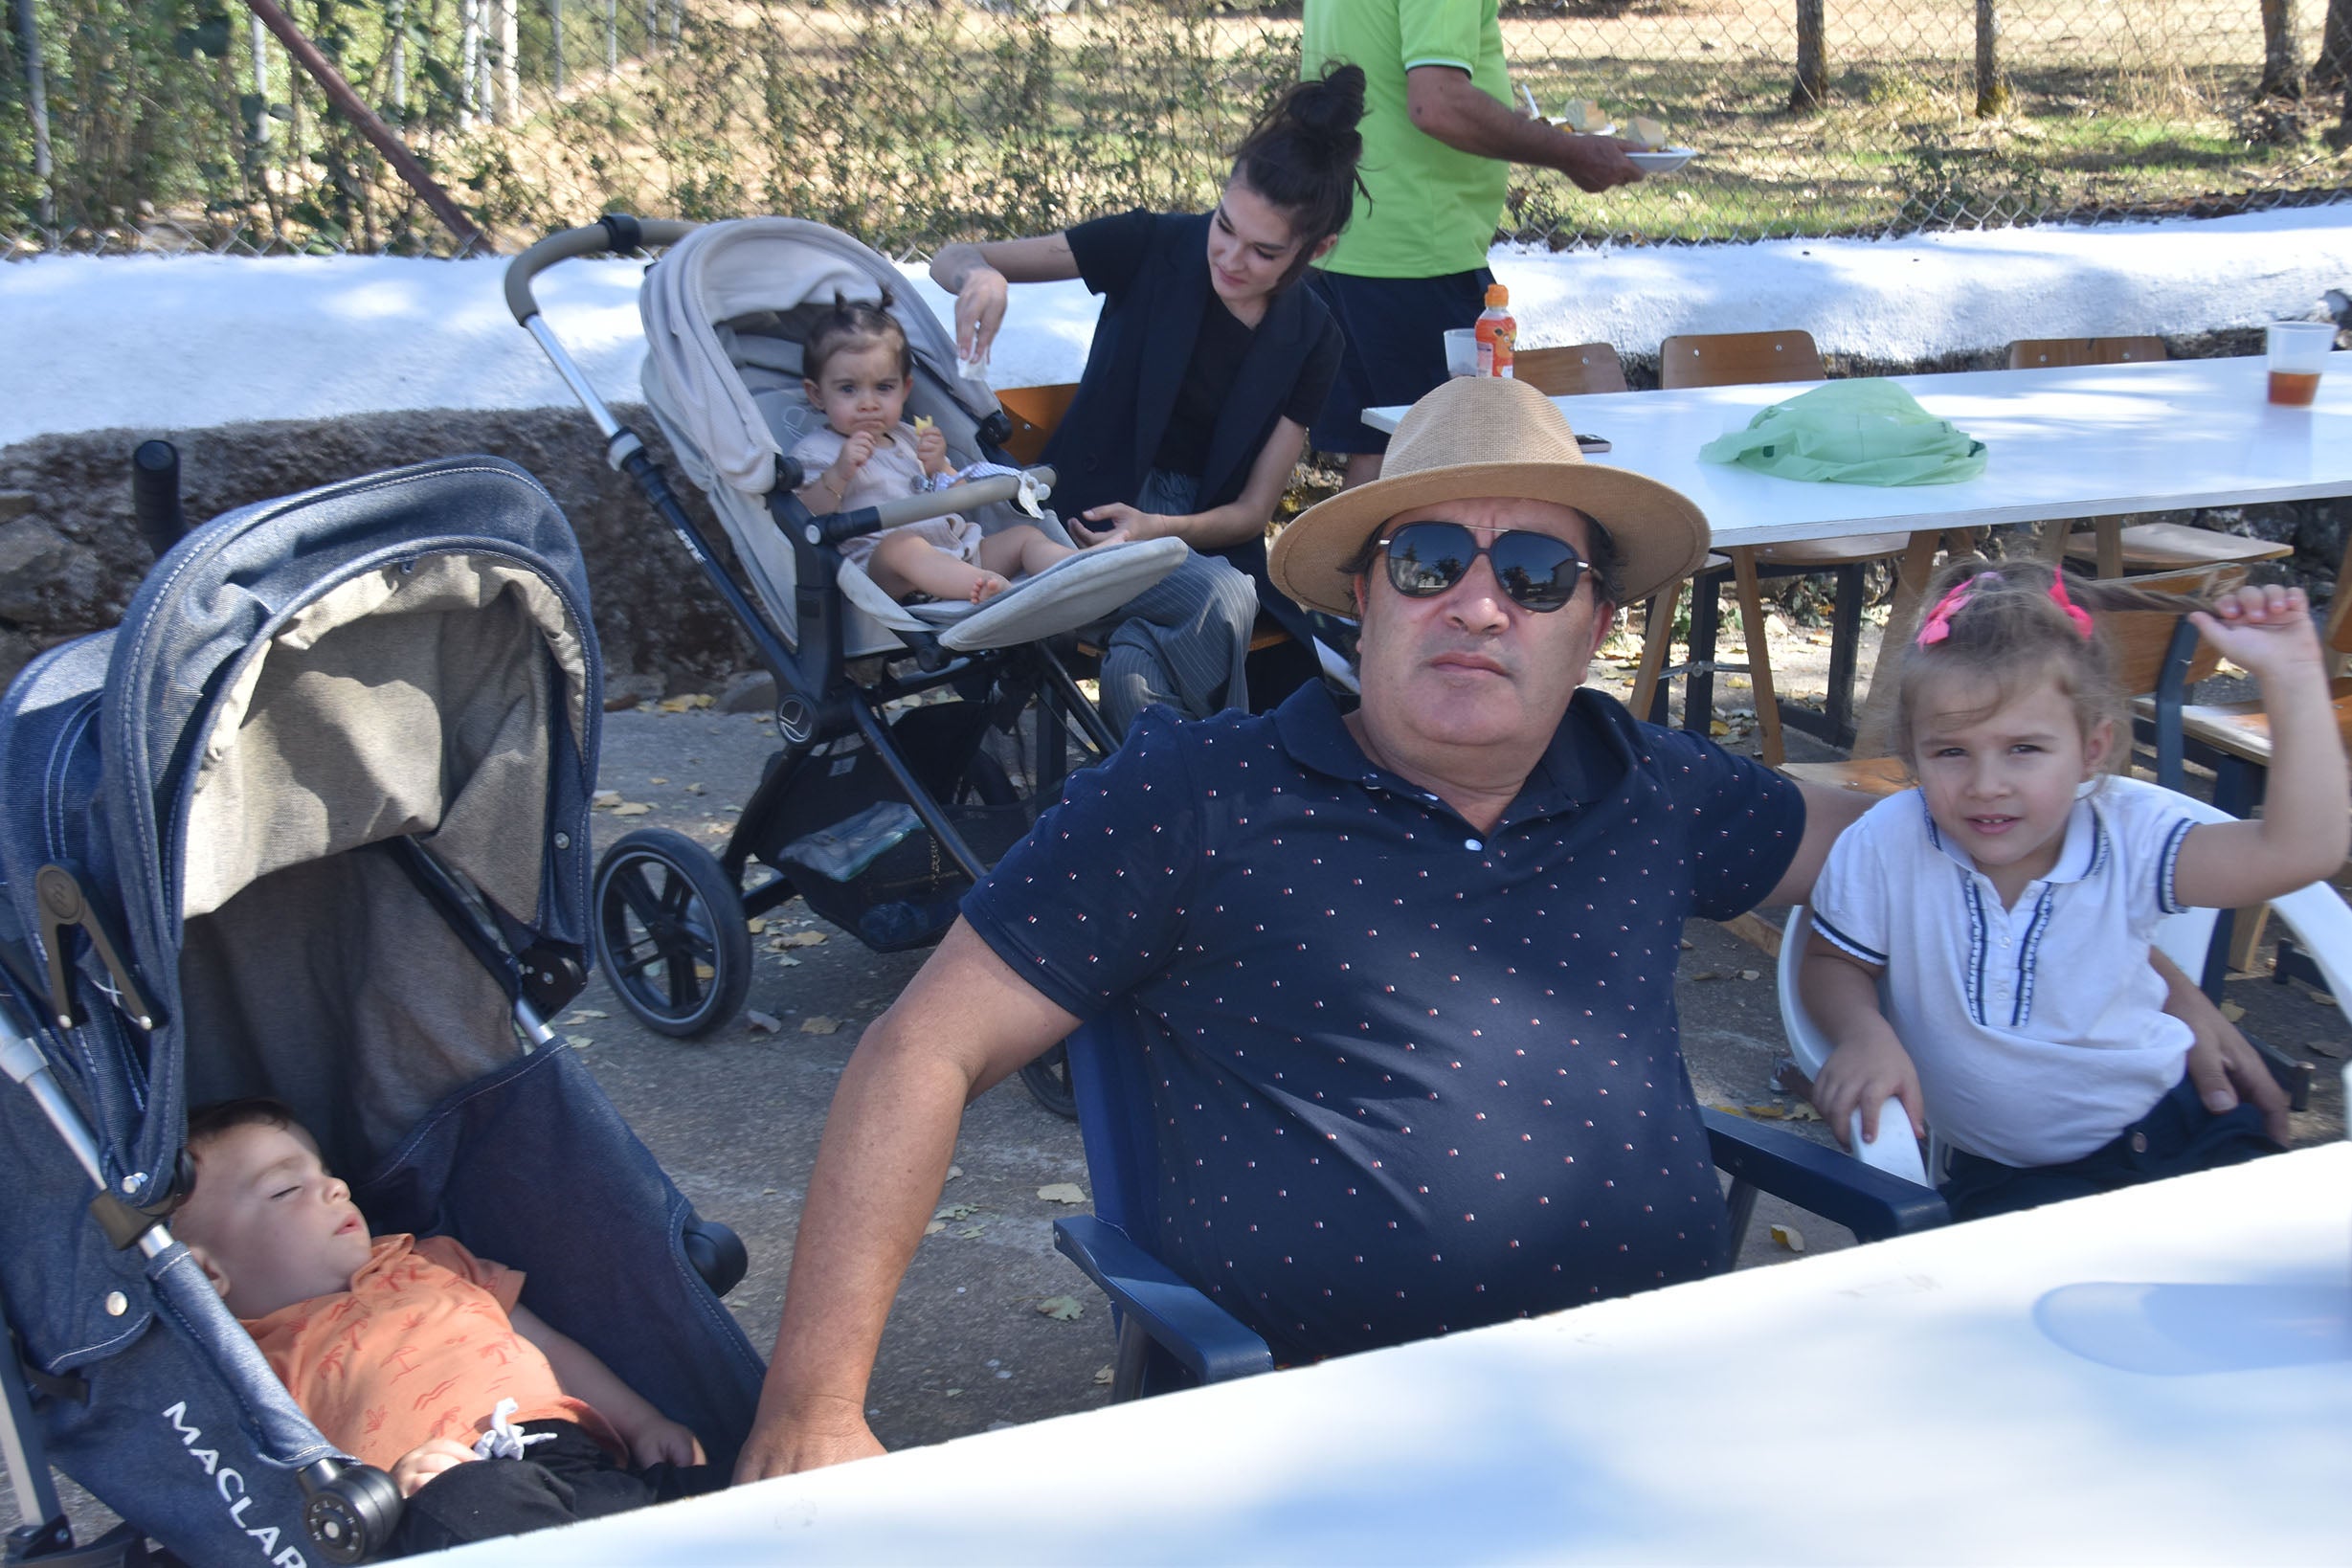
x: 987, y: 585
x: 855, y: 451
x: 1866, y: 1076
x: 932, y: 447
x: 664, y: 1441
x: 2266, y: 632
x: 427, y: 1459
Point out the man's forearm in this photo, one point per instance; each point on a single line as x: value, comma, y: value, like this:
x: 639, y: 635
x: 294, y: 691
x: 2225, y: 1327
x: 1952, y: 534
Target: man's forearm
x: 879, y: 1170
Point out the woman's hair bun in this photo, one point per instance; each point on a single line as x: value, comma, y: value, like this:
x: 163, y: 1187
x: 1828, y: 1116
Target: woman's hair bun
x: 1330, y: 108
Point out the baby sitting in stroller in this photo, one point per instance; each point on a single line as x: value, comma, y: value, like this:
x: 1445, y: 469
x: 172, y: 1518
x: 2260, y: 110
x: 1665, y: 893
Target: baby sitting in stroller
x: 858, y: 370
x: 415, y: 1356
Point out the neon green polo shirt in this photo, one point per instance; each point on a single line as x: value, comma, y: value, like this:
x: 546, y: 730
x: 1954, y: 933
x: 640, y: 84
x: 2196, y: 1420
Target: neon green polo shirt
x: 1433, y: 210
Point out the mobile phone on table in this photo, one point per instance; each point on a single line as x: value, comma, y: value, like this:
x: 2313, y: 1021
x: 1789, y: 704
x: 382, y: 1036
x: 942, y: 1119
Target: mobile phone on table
x: 1592, y: 443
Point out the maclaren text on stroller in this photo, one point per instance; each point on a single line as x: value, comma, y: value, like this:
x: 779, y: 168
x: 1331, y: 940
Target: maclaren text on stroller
x: 880, y: 819
x: 312, y: 822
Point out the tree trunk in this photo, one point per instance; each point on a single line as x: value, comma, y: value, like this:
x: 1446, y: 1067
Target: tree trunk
x: 2334, y: 64
x: 2282, y: 69
x: 1811, y: 89
x: 1992, y: 87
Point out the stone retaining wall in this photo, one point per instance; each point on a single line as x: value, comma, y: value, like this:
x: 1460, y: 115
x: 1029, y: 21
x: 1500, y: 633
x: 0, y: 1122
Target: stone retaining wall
x: 71, y: 556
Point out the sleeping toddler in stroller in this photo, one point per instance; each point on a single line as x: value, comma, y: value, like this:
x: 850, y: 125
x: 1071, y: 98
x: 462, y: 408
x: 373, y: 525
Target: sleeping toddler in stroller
x: 857, y: 369
x: 415, y: 1356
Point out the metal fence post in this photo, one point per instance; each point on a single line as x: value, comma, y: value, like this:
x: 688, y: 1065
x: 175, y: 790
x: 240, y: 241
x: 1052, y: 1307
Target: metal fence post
x: 36, y: 100
x: 555, y: 43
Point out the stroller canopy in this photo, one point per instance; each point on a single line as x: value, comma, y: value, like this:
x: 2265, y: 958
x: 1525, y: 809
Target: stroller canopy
x: 406, y: 656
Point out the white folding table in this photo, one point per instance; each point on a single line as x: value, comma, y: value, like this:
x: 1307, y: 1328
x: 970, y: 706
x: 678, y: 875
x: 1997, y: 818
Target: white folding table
x: 2163, y: 1375
x: 2088, y: 441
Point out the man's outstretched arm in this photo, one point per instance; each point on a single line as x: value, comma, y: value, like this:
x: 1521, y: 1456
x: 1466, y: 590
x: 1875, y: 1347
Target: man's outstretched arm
x: 964, y: 1022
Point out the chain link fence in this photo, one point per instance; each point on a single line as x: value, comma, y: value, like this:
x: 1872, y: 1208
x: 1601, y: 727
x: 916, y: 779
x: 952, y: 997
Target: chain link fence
x: 181, y: 125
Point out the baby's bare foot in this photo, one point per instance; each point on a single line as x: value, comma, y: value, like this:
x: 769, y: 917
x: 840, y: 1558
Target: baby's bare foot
x: 989, y: 586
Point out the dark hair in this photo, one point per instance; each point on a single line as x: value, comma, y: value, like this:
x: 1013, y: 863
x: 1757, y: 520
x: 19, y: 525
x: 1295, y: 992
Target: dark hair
x: 853, y: 323
x: 1301, y: 156
x: 2010, y: 633
x: 207, y: 1123
x: 1601, y: 562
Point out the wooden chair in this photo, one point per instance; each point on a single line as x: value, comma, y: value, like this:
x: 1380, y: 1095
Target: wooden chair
x: 1731, y: 359
x: 1035, y: 412
x: 2109, y: 548
x: 1572, y: 372
x: 2140, y: 641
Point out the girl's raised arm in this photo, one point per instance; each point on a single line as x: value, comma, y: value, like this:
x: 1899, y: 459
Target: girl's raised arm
x: 2306, y: 821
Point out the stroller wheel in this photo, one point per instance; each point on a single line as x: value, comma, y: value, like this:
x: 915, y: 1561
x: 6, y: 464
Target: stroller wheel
x: 670, y: 933
x: 1047, y: 1079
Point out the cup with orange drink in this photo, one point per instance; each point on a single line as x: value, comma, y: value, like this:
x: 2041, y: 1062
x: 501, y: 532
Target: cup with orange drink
x: 2299, y: 352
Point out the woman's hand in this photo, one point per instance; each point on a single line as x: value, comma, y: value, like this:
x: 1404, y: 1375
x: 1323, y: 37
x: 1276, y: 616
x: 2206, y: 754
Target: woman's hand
x: 1119, y: 520
x: 427, y: 1459
x: 979, y: 310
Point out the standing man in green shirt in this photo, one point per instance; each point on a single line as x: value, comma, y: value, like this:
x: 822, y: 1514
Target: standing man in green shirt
x: 1440, y: 136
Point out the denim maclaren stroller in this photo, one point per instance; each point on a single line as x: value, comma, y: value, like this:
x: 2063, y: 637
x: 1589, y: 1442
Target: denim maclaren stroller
x: 873, y: 753
x: 313, y: 822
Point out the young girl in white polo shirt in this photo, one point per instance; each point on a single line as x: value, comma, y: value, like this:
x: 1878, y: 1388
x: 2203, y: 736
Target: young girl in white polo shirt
x: 2009, y: 900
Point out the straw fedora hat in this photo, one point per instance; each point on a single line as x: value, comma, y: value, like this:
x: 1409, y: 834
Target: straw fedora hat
x: 1489, y: 435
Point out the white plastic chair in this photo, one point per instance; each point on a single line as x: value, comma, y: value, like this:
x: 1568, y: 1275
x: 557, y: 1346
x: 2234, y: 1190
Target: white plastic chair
x: 2317, y: 916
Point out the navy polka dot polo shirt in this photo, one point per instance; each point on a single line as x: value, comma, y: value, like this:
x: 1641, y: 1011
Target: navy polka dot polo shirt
x: 1408, y: 1077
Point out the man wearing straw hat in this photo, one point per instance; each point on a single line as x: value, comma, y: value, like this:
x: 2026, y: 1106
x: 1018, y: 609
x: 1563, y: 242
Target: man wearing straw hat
x: 1405, y: 975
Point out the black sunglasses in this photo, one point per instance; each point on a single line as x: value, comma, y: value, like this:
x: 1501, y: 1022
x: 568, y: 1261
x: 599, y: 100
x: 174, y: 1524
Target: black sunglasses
x: 1538, y: 571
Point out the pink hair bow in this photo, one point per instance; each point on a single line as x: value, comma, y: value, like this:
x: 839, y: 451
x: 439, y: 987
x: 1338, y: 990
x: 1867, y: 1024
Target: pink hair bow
x: 1939, y: 622
x: 2075, y: 612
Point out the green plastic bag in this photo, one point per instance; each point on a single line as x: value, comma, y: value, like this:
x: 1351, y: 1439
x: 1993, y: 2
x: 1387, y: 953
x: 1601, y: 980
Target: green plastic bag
x: 1866, y: 432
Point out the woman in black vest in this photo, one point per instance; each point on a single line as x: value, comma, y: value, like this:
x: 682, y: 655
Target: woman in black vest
x: 1207, y: 365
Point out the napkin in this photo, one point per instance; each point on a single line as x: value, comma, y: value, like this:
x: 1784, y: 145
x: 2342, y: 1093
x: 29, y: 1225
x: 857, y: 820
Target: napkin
x: 1864, y: 432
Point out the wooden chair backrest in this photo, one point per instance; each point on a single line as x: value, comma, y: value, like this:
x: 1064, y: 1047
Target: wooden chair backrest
x: 1734, y: 359
x: 2136, y: 640
x: 1035, y: 411
x: 1571, y: 372
x: 2035, y: 353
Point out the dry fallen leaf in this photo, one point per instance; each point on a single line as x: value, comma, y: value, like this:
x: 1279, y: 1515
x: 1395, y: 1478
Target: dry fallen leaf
x: 757, y: 925
x: 679, y: 704
x: 2334, y: 1050
x: 820, y: 1026
x: 1063, y: 1192
x: 2320, y: 999
x: 694, y: 789
x: 1789, y: 1237
x: 969, y: 1233
x: 1751, y: 974
x: 1103, y: 1376
x: 581, y: 1014
x: 956, y: 1211
x: 605, y: 799
x: 767, y: 1024
x: 801, y: 939
x: 656, y: 781
x: 787, y: 960
x: 1768, y: 1113
x: 934, y: 1227
x: 2232, y: 1011
x: 954, y: 1171
x: 1728, y: 1111
x: 1063, y: 1309
x: 631, y: 808
x: 1802, y: 1112
x: 578, y: 1042
x: 1718, y: 729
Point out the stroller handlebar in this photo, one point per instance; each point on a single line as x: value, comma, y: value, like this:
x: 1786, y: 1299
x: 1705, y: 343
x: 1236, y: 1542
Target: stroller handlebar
x: 617, y: 232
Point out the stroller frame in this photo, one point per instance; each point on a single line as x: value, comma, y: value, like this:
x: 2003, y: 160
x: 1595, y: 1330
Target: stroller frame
x: 816, y: 702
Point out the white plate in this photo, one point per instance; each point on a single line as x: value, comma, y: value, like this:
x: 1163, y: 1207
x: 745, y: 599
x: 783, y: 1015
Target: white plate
x: 1664, y: 160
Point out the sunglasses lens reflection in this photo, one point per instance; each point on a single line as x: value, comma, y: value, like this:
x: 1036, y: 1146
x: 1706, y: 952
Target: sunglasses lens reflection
x: 1537, y: 571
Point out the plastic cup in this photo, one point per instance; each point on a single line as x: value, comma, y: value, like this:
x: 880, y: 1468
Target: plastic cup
x: 2299, y: 352
x: 1461, y: 350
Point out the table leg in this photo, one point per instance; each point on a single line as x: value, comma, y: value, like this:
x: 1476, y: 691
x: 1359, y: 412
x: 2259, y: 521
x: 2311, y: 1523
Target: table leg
x: 1759, y: 658
x: 2109, y: 531
x: 2054, y: 534
x: 1871, y: 730
x: 1699, y: 686
x: 1657, y: 643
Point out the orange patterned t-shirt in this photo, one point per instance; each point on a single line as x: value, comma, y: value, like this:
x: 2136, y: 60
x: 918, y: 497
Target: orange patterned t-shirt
x: 420, y: 1346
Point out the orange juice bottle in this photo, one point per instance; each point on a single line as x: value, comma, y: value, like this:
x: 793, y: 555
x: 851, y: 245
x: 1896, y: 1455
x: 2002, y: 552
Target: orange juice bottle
x: 1496, y: 332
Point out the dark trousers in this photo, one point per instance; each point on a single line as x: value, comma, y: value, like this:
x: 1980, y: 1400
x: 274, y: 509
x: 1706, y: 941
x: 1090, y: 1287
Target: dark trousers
x: 2180, y: 1135
x: 566, y: 1479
